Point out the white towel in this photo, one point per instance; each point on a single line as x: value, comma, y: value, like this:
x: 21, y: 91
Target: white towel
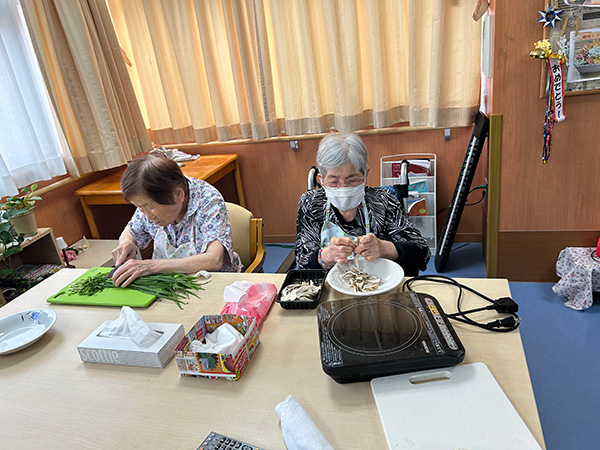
x: 299, y: 431
x: 177, y: 155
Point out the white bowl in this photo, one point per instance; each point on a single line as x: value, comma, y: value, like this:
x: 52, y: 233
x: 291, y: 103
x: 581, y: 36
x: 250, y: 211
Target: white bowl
x: 22, y: 329
x: 389, y: 271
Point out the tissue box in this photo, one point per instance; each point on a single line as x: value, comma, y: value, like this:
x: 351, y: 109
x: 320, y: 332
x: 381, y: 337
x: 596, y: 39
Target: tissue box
x: 217, y: 365
x: 111, y: 350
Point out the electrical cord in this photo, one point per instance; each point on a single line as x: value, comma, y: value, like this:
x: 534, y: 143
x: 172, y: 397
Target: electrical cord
x: 503, y: 305
x: 458, y: 247
x: 483, y: 194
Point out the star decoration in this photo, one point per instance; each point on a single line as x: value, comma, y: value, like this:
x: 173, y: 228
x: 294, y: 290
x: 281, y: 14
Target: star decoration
x: 550, y: 16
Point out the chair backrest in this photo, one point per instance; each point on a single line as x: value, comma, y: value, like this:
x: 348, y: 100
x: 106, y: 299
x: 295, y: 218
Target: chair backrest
x: 247, y: 237
x: 312, y: 178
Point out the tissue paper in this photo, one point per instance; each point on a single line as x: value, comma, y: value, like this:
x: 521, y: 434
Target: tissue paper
x: 223, y: 340
x: 130, y: 326
x: 237, y: 292
x: 298, y: 429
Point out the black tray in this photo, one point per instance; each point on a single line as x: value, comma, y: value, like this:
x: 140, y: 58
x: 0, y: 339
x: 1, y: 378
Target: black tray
x: 296, y: 276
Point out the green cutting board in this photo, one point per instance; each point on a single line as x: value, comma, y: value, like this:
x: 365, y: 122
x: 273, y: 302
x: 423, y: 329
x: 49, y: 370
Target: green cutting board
x: 108, y: 297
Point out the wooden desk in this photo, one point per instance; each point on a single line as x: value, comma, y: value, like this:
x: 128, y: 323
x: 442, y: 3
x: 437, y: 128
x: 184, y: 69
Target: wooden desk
x: 107, y: 191
x: 99, y: 254
x: 50, y: 398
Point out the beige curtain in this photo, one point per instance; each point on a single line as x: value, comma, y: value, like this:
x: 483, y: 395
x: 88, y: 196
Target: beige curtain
x: 223, y: 69
x: 201, y: 68
x: 352, y: 63
x: 88, y: 81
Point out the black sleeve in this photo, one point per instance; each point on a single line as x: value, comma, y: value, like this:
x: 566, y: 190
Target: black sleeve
x: 411, y: 257
x: 412, y: 247
x: 308, y: 230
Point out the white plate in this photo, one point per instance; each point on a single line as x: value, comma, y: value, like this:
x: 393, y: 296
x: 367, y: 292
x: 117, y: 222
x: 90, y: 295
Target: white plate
x: 22, y: 329
x: 390, y: 272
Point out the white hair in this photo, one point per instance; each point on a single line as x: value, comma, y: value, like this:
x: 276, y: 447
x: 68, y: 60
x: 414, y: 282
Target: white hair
x: 337, y: 149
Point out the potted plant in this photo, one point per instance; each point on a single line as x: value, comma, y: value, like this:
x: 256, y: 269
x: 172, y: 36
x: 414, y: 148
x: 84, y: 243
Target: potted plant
x: 19, y: 210
x: 10, y: 243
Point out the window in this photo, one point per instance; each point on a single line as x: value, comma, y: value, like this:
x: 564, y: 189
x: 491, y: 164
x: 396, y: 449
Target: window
x: 31, y: 143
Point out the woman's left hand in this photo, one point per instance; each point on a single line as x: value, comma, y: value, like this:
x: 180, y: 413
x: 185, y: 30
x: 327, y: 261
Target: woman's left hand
x: 371, y: 248
x: 131, y: 269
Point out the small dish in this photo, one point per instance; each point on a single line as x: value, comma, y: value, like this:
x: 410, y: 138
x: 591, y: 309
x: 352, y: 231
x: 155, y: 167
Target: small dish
x: 297, y: 276
x: 389, y: 271
x: 22, y: 329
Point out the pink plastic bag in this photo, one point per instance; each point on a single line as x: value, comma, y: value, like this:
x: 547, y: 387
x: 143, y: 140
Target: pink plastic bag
x: 259, y: 299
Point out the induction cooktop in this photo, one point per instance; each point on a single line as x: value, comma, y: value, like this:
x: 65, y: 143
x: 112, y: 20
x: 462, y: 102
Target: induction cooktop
x: 366, y: 337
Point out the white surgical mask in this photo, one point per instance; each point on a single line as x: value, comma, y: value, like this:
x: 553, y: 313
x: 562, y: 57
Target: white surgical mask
x: 345, y: 198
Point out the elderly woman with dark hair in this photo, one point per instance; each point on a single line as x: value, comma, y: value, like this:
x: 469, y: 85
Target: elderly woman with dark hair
x: 330, y: 219
x: 186, y: 218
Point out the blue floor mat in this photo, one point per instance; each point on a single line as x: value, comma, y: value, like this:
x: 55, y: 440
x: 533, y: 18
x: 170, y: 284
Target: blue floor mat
x: 561, y: 347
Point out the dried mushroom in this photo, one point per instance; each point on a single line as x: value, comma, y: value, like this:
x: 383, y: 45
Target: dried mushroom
x: 360, y: 281
x: 306, y: 291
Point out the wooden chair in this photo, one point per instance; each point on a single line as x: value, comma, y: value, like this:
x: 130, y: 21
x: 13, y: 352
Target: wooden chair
x: 247, y: 237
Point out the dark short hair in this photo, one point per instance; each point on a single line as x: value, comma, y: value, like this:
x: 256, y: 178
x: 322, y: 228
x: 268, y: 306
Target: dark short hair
x: 155, y: 176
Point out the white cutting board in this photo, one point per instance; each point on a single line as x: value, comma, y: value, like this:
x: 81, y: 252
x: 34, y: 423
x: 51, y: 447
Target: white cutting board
x: 464, y: 409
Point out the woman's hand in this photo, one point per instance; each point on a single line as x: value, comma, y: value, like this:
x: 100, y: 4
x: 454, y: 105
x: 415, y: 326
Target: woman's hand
x: 125, y: 251
x: 371, y: 248
x: 338, y: 250
x: 131, y: 269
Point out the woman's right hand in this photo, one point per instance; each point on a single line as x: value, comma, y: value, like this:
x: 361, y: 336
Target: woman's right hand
x: 338, y: 250
x: 124, y: 252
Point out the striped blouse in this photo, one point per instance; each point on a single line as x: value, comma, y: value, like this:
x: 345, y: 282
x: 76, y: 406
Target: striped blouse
x: 389, y: 222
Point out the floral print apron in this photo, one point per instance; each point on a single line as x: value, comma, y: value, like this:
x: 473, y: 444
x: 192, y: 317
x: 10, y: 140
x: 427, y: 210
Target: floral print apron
x: 164, y: 250
x: 330, y: 229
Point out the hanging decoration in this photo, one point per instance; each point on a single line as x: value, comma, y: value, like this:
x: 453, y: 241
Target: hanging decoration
x: 550, y: 16
x: 555, y: 92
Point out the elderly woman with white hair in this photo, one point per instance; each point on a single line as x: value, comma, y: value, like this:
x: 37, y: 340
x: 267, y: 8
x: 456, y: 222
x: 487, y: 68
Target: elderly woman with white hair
x: 330, y: 219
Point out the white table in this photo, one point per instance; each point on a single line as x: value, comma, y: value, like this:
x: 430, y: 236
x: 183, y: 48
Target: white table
x: 50, y: 399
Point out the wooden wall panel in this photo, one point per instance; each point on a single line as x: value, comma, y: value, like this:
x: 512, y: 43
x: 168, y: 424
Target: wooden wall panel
x: 531, y: 255
x: 559, y: 195
x: 61, y: 210
x: 543, y: 207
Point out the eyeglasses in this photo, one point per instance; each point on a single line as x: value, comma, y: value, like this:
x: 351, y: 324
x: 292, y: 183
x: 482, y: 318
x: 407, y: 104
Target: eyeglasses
x: 349, y: 182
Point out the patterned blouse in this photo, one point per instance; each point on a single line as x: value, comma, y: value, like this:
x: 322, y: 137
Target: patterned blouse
x: 207, y: 217
x: 389, y: 222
